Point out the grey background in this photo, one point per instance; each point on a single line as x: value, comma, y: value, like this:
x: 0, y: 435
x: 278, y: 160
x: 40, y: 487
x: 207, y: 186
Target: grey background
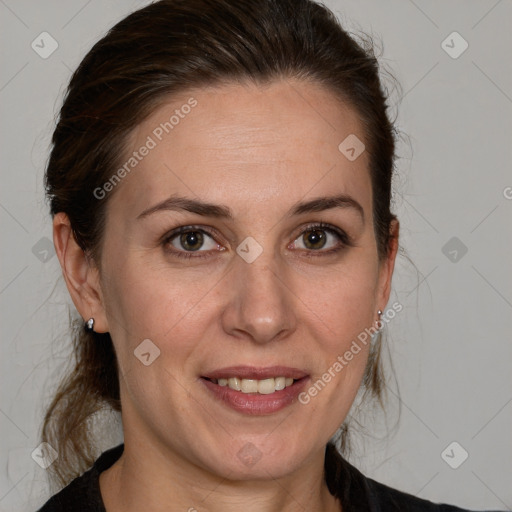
x: 451, y: 343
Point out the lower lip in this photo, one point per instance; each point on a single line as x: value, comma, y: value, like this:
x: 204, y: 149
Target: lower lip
x: 255, y: 403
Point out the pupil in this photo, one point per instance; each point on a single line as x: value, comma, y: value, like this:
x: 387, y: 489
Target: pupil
x: 315, y: 239
x: 192, y: 240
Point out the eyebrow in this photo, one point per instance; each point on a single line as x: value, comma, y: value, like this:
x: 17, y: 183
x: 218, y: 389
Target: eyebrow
x: 177, y: 203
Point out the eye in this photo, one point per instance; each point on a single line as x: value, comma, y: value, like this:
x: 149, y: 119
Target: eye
x: 189, y: 239
x: 321, y: 238
x: 195, y: 242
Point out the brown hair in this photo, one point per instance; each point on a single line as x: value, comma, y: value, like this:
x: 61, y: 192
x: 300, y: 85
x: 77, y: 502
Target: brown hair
x: 165, y: 48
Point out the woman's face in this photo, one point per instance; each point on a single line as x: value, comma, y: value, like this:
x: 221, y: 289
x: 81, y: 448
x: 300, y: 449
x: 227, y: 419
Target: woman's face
x: 250, y: 290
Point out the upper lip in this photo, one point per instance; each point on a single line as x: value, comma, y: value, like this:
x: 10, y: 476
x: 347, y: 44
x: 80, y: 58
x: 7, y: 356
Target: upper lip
x: 256, y: 373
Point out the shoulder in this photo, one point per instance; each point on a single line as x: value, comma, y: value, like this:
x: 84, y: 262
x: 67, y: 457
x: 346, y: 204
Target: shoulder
x: 83, y: 493
x: 387, y: 499
x: 357, y: 492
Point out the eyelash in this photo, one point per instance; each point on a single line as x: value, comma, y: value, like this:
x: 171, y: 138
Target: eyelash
x: 345, y: 240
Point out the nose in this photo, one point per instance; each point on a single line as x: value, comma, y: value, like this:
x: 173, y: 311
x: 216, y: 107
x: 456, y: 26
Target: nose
x: 260, y: 306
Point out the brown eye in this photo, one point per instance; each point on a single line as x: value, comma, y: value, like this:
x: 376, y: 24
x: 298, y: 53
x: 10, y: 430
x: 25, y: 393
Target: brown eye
x: 322, y: 239
x: 191, y: 241
x: 315, y: 239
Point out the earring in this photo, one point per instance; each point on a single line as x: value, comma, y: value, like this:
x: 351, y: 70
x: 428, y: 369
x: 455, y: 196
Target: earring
x: 89, y: 325
x: 378, y: 322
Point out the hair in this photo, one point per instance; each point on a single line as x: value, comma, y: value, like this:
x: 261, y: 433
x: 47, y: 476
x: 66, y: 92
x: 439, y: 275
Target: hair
x: 166, y: 48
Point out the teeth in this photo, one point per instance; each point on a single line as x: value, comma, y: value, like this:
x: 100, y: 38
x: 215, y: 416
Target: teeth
x: 280, y: 383
x: 234, y: 383
x: 264, y: 387
x: 249, y: 386
x: 267, y: 386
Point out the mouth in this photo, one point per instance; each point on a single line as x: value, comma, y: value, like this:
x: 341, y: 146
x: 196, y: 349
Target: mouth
x: 256, y: 391
x: 262, y: 387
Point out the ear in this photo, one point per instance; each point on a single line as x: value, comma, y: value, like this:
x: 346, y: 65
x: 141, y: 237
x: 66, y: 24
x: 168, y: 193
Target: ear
x: 80, y: 273
x: 387, y: 266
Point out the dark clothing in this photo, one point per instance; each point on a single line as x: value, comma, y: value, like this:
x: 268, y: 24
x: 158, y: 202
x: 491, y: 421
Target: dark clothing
x: 355, y: 492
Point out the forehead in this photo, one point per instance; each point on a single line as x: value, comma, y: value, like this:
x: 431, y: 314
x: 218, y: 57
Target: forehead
x: 239, y: 144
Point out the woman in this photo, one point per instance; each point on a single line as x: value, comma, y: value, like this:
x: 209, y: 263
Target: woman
x: 220, y: 185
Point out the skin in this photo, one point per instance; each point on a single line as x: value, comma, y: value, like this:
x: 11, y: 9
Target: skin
x: 258, y: 150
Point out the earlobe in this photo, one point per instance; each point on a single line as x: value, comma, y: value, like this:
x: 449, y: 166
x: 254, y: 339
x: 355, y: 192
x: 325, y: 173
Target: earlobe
x: 81, y: 276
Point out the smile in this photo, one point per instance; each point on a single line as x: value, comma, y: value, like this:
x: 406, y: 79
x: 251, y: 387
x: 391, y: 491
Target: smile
x: 256, y: 391
x: 263, y: 387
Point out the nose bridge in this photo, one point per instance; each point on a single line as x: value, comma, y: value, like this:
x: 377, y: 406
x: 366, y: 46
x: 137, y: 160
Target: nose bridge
x: 261, y: 306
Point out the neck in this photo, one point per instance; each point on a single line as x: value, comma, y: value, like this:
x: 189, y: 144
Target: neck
x: 153, y: 479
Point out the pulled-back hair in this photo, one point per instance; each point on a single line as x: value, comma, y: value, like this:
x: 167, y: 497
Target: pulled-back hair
x: 166, y: 48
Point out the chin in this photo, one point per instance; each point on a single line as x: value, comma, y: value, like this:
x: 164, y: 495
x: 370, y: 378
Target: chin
x: 259, y: 459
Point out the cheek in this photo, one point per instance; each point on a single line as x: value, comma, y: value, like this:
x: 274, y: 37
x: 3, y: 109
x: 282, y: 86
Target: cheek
x: 148, y: 312
x: 343, y: 299
x: 147, y: 301
x: 341, y: 319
